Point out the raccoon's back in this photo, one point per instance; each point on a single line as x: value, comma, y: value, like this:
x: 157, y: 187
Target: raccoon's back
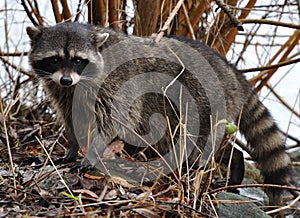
x: 206, y: 75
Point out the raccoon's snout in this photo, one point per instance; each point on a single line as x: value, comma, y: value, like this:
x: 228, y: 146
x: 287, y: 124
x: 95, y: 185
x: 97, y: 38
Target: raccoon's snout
x: 66, y: 81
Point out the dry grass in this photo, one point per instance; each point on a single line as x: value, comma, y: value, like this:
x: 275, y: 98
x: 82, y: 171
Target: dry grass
x: 29, y: 127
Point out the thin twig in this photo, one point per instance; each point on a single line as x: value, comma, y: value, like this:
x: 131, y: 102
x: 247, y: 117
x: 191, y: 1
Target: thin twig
x: 290, y: 137
x: 236, y: 22
x: 280, y: 64
x: 188, y: 22
x: 292, y: 188
x: 169, y: 20
x: 282, y: 101
x: 270, y: 22
x: 78, y: 11
x: 286, y: 49
x: 13, y: 54
x: 35, y: 11
x: 52, y: 163
x: 50, y: 152
x: 289, y: 206
x: 16, y: 67
x: 8, y: 143
x: 33, y: 21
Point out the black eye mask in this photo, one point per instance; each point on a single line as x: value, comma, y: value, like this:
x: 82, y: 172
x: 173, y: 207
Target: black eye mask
x: 78, y: 64
x: 55, y: 63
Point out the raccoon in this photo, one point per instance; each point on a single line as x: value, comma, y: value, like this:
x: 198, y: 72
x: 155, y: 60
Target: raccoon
x: 92, y: 64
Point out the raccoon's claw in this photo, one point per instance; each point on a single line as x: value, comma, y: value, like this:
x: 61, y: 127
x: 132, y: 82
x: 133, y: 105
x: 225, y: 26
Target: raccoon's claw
x: 70, y: 155
x: 64, y: 160
x: 83, y: 166
x: 61, y: 160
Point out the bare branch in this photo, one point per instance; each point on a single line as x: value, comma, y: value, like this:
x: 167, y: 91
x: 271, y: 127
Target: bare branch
x: 282, y: 101
x: 270, y: 22
x: 146, y: 17
x: 228, y: 11
x: 280, y: 64
x: 29, y: 14
x: 113, y: 14
x: 170, y: 18
x: 56, y: 13
x: 16, y: 67
x: 66, y: 14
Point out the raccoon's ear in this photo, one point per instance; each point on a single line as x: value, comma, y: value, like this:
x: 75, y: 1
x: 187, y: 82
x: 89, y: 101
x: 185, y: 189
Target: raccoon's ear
x: 100, y: 38
x: 34, y: 32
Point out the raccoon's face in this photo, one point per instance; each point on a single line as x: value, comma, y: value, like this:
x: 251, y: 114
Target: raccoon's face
x: 61, y: 53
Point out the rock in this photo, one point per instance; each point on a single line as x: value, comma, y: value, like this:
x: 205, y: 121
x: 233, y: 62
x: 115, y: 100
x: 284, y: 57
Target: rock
x: 295, y: 156
x: 254, y: 193
x: 240, y: 209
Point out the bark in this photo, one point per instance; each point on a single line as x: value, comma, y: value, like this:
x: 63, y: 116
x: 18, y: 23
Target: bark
x: 146, y: 17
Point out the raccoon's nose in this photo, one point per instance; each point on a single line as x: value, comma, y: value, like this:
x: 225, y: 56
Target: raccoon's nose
x: 66, y: 81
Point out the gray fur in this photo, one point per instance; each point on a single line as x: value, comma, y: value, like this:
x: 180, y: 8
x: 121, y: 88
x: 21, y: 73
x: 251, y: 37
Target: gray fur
x: 256, y: 124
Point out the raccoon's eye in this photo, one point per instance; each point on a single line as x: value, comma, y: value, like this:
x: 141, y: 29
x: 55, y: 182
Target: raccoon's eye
x: 55, y: 60
x: 77, y: 61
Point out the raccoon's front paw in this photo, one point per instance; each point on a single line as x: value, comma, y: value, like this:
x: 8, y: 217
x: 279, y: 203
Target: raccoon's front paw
x: 70, y: 155
x: 65, y: 159
x: 83, y: 166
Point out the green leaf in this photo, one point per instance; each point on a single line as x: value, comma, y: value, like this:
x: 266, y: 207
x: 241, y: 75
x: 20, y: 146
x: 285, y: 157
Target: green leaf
x: 70, y: 196
x: 231, y: 128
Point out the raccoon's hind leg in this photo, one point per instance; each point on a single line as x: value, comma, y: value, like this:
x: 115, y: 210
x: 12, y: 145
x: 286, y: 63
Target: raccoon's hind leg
x: 268, y: 149
x: 237, y: 166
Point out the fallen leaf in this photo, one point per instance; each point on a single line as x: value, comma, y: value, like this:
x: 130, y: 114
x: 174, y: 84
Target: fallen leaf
x: 121, y: 181
x: 112, y: 149
x: 112, y: 194
x: 86, y: 193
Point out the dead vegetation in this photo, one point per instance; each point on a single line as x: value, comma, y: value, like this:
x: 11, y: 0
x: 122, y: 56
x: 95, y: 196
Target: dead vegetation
x: 32, y: 186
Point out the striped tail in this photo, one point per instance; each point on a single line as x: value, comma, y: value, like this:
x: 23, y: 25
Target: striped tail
x: 266, y: 142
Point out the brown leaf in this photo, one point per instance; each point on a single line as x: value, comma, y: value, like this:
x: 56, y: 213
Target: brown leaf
x: 112, y: 194
x: 86, y: 193
x: 121, y: 181
x: 147, y: 212
x: 112, y: 149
